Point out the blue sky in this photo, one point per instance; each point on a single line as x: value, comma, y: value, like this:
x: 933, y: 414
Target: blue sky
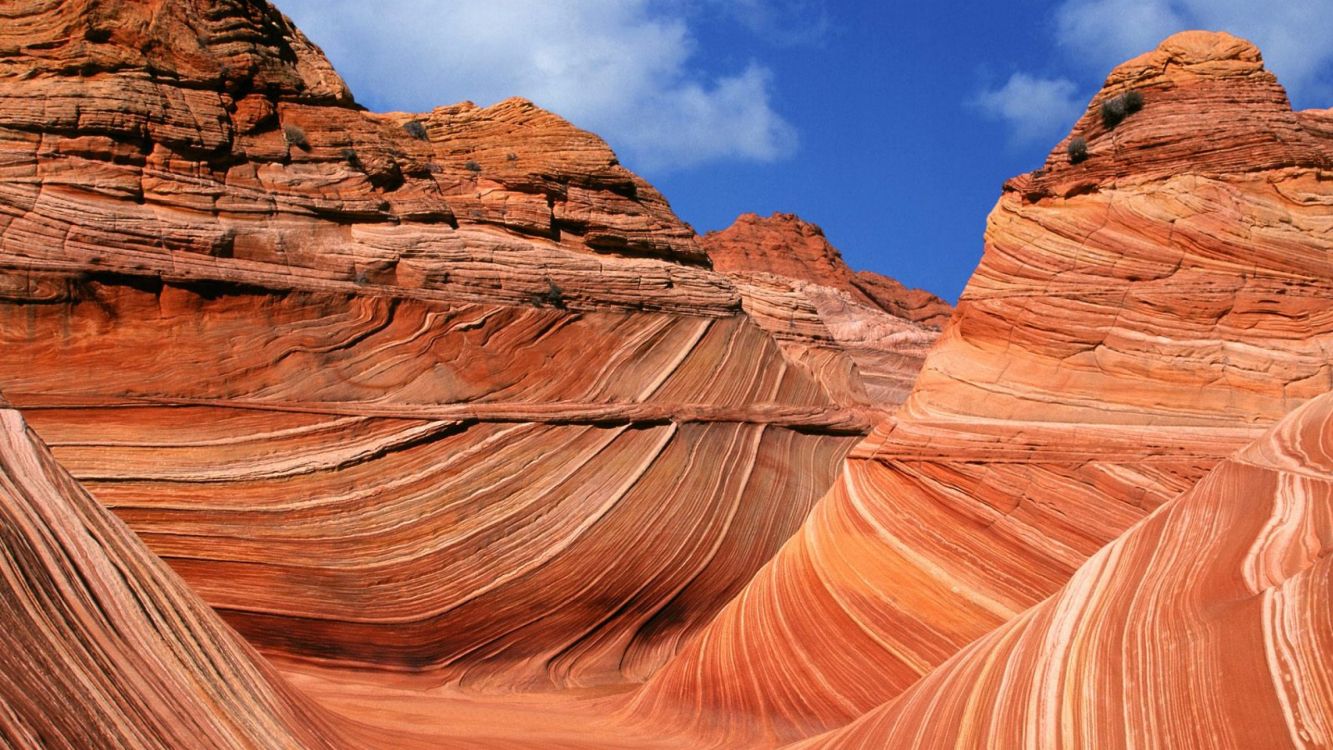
x: 890, y: 124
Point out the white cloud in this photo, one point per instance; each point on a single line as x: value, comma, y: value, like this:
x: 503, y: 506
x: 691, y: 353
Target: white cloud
x: 1035, y: 108
x: 1104, y: 33
x: 621, y: 68
x: 1293, y: 34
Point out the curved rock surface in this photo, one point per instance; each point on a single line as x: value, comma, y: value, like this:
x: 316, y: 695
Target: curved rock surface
x: 102, y: 646
x: 432, y: 407
x: 389, y: 391
x: 1208, y: 624
x: 1115, y: 343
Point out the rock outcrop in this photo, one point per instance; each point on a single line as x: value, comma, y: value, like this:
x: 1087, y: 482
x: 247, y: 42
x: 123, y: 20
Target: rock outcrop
x: 1209, y: 624
x: 389, y: 390
x: 797, y: 287
x: 1115, y: 343
x: 785, y: 245
x: 423, y: 411
x: 102, y: 646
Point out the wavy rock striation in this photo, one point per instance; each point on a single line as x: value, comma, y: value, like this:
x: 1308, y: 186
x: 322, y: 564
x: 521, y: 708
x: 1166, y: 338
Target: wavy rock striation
x: 1135, y: 318
x: 389, y: 391
x: 103, y: 646
x: 1208, y: 624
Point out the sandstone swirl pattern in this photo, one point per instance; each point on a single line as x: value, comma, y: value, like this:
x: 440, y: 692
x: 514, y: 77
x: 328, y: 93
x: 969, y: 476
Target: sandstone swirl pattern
x: 1208, y: 624
x: 393, y: 391
x: 1135, y: 318
x: 433, y: 407
x: 103, y: 646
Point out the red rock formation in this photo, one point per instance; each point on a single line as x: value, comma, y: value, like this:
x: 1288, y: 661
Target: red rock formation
x: 423, y: 404
x: 1209, y: 624
x: 797, y: 287
x: 784, y: 245
x: 1114, y: 344
x: 388, y: 391
x: 102, y: 646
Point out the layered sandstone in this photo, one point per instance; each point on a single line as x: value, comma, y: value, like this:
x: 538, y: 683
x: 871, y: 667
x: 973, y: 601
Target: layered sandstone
x: 785, y: 245
x: 797, y: 287
x: 103, y: 646
x: 434, y: 407
x: 388, y: 391
x: 1209, y: 624
x: 1116, y: 342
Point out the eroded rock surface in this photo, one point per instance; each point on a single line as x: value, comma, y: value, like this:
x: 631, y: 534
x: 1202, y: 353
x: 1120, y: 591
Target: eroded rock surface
x: 389, y: 390
x: 1115, y: 343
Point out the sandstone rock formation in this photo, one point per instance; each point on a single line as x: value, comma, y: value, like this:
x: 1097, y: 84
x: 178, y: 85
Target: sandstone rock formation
x: 437, y: 409
x: 1206, y: 625
x: 785, y: 245
x: 103, y: 646
x: 389, y: 391
x: 797, y: 287
x: 1116, y: 341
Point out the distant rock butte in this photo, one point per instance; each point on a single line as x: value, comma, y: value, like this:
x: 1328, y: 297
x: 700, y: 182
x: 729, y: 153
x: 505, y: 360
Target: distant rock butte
x: 784, y: 245
x: 464, y: 436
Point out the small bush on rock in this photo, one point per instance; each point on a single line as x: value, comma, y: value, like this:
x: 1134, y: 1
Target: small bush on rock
x: 472, y: 166
x: 416, y: 129
x: 1116, y: 109
x: 295, y: 136
x: 1078, y: 149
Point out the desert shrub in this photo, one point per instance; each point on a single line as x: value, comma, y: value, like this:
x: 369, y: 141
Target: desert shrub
x: 416, y: 129
x: 554, y: 296
x: 1113, y: 112
x: 295, y: 136
x: 1078, y: 149
x: 1116, y: 109
x: 472, y: 166
x: 1133, y: 102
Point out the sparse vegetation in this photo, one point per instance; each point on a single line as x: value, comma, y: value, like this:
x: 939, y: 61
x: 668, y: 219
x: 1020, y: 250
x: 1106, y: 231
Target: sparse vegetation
x: 1078, y: 149
x: 1116, y: 109
x: 554, y: 296
x: 295, y: 136
x: 416, y: 129
x: 472, y: 166
x: 1133, y: 102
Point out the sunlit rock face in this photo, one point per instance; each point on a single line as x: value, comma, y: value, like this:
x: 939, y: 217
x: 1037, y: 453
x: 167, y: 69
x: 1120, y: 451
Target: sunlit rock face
x: 782, y: 264
x: 104, y: 646
x: 1206, y: 625
x: 1136, y: 317
x: 391, y: 391
x: 395, y: 430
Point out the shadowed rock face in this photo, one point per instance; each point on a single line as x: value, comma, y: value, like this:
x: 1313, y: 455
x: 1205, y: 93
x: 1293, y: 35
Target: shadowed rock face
x: 389, y: 391
x: 1115, y: 343
x: 434, y: 407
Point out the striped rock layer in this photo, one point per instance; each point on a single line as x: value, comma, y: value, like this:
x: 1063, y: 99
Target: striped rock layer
x: 433, y: 407
x: 103, y: 646
x: 1208, y: 624
x: 1136, y: 318
x: 780, y: 262
x: 389, y: 391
